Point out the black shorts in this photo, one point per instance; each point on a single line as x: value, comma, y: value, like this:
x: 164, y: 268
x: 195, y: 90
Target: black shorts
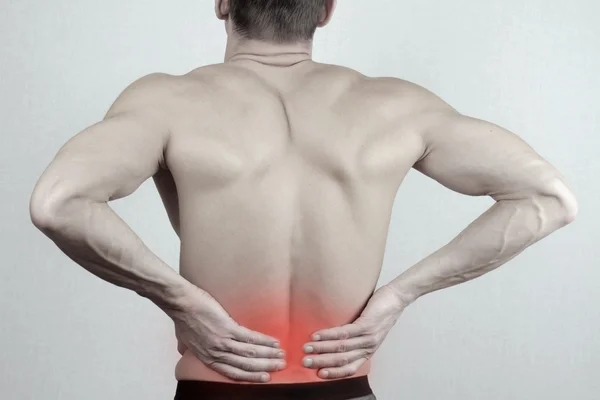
x: 341, y: 389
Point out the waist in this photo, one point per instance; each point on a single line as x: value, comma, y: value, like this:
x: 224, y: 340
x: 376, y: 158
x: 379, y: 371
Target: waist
x: 190, y: 368
x: 341, y: 389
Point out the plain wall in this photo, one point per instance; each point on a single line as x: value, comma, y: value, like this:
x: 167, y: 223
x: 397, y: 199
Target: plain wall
x: 529, y: 330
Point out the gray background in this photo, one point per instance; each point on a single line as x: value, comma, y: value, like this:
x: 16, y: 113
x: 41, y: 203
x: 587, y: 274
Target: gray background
x: 526, y: 331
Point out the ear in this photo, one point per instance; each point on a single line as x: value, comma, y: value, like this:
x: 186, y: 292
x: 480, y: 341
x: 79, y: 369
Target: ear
x: 222, y: 9
x: 328, y: 10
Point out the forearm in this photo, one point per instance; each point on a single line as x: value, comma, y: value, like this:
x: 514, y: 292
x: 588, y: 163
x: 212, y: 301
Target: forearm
x: 497, y: 236
x: 95, y: 237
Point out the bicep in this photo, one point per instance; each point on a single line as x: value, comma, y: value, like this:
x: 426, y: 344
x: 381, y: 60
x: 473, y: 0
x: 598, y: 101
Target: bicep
x: 475, y: 157
x: 108, y: 160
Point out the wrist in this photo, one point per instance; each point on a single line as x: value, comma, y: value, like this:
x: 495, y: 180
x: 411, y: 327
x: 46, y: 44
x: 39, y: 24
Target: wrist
x: 404, y: 296
x: 173, y: 298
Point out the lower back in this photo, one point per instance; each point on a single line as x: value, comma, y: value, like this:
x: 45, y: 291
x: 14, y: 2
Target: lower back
x: 286, y: 254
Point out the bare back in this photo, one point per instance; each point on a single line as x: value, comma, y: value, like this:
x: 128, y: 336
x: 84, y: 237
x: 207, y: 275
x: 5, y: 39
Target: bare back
x: 285, y: 180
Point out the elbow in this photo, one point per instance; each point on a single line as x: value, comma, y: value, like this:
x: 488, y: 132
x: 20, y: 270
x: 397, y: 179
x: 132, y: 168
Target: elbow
x: 46, y: 208
x: 568, y: 208
x: 42, y: 213
x: 41, y: 218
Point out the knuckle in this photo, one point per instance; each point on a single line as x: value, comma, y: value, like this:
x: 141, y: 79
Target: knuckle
x: 253, y: 378
x: 217, y: 343
x: 371, y: 340
x: 317, y: 348
x: 250, y: 353
x: 342, y: 347
x: 274, y: 366
x: 337, y: 374
x: 240, y: 335
x: 227, y: 345
x: 246, y: 367
x: 342, y: 361
x: 369, y: 330
x: 350, y: 370
x: 218, y: 357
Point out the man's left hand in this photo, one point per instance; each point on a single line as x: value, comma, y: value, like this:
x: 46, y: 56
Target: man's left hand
x: 339, y: 352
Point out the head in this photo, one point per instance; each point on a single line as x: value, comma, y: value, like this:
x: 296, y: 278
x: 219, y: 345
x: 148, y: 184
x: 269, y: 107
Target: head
x: 277, y: 21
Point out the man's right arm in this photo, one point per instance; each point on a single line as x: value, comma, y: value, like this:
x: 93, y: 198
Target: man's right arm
x: 478, y: 158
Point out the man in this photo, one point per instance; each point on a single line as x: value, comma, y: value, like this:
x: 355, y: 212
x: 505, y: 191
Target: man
x: 279, y: 174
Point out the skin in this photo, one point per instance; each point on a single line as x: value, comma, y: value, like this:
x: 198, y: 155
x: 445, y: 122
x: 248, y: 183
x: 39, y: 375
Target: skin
x: 279, y: 175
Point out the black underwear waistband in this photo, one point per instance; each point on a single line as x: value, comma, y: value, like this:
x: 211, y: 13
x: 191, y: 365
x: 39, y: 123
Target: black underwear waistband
x: 342, y: 389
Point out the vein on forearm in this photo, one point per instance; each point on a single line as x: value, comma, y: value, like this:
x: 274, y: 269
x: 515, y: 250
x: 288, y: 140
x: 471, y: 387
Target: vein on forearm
x: 95, y: 237
x: 497, y: 236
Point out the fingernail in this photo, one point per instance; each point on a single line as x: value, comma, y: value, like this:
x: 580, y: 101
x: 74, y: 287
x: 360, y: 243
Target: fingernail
x: 264, y: 378
x: 324, y: 374
x: 281, y: 354
x: 316, y: 337
x: 276, y: 344
x: 281, y: 365
x: 308, y: 349
x: 307, y: 362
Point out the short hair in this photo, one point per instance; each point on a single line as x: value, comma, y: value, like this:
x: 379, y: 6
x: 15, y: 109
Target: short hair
x: 276, y: 20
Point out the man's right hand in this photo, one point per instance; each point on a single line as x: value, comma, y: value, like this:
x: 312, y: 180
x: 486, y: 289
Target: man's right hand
x: 238, y: 353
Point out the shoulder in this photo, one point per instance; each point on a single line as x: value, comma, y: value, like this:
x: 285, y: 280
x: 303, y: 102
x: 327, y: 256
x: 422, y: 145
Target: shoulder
x: 418, y: 108
x: 412, y: 95
x: 149, y: 93
x: 153, y: 81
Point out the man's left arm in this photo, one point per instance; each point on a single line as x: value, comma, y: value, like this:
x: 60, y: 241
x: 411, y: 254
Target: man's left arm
x: 475, y: 158
x: 108, y: 161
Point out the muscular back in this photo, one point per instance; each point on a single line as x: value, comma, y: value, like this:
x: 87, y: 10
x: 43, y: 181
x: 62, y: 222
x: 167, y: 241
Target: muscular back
x: 280, y: 183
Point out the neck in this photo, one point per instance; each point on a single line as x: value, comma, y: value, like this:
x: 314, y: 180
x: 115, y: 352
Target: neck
x: 268, y: 53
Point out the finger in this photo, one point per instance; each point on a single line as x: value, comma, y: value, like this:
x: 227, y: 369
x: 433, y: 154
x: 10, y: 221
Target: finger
x: 339, y: 333
x: 251, y: 364
x: 319, y: 361
x: 340, y: 346
x: 342, y: 372
x: 245, y: 335
x: 240, y: 375
x: 252, y: 350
